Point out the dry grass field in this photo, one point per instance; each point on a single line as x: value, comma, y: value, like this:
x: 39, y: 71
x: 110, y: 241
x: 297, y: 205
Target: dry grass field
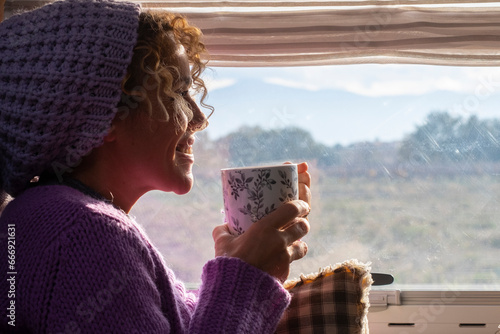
x: 423, y: 230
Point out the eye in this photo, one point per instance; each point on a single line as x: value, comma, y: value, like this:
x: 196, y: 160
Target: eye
x: 184, y: 93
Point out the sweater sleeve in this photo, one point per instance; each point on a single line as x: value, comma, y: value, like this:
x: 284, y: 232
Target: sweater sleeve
x: 108, y: 280
x: 236, y: 297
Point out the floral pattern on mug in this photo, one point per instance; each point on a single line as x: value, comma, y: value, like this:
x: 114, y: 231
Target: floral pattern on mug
x: 249, y: 189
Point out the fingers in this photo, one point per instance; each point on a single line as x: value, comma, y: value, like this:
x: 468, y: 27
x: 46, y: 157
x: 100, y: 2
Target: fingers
x: 302, y: 167
x: 304, y: 181
x: 270, y: 244
x: 304, y: 193
x: 297, y: 250
x: 222, y: 238
x: 220, y: 231
x: 305, y: 178
x: 295, y: 231
x: 285, y: 213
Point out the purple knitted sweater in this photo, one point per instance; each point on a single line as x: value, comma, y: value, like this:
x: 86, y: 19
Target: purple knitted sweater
x: 82, y: 266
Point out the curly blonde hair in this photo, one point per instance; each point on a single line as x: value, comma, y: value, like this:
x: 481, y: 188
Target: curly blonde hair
x: 159, y: 36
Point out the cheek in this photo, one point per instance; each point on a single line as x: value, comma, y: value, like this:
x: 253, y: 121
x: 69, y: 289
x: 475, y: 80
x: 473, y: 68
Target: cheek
x: 165, y: 142
x: 183, y: 114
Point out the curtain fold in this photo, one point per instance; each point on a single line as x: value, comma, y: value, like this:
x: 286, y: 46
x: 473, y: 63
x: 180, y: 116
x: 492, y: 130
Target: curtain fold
x: 302, y: 3
x: 441, y: 36
x: 299, y: 33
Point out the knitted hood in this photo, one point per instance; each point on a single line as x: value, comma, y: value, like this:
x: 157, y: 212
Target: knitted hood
x: 61, y: 68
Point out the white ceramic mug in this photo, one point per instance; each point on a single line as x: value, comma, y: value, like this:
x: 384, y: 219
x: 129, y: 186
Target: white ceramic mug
x: 250, y: 193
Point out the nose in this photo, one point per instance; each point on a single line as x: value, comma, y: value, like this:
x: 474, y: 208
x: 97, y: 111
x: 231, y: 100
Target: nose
x: 199, y: 121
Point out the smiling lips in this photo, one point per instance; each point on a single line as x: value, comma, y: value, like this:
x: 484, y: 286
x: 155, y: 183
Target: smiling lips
x: 186, y: 146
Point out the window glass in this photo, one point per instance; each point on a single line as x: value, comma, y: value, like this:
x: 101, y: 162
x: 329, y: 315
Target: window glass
x: 405, y: 164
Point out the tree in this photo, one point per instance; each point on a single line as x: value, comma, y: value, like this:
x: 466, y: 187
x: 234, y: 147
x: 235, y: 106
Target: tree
x: 443, y: 138
x: 254, y: 145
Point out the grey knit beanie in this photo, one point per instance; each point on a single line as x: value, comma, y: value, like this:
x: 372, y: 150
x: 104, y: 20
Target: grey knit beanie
x: 61, y: 68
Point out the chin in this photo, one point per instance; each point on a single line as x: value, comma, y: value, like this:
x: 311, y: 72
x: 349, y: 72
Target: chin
x: 185, y: 186
x: 182, y: 192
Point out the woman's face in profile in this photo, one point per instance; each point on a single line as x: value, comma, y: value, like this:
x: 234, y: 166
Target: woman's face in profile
x: 161, y: 152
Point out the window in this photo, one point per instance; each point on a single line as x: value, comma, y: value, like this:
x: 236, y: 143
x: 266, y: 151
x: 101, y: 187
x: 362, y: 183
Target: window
x: 405, y: 163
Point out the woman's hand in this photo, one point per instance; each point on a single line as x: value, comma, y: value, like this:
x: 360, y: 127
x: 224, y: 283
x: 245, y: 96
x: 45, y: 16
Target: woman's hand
x: 273, y: 242
x: 304, y: 182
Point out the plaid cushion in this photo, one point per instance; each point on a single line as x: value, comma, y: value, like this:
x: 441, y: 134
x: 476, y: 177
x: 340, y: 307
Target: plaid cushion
x: 334, y: 300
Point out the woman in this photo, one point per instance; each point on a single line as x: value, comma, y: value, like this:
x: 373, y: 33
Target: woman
x: 94, y: 112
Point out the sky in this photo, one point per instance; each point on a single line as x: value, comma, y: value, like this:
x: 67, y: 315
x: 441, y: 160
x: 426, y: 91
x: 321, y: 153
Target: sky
x: 349, y: 103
